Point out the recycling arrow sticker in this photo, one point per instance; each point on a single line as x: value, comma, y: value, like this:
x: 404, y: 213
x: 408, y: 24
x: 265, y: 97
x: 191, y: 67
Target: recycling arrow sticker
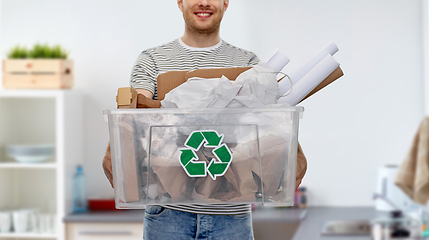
x: 216, y: 167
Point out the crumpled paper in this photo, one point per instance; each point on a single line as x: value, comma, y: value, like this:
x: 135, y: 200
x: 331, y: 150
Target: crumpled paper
x: 253, y: 88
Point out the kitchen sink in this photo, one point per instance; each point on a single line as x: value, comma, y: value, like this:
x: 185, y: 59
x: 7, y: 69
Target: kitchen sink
x: 347, y: 228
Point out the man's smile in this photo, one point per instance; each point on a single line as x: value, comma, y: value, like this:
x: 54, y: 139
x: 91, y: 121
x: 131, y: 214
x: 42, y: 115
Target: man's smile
x: 203, y: 14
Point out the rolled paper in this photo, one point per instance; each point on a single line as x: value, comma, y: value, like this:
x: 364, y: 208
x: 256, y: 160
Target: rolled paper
x: 278, y: 61
x: 331, y: 78
x: 310, y: 81
x: 284, y: 85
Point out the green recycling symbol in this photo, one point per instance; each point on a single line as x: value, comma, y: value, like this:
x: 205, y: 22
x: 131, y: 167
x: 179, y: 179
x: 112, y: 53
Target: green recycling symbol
x: 216, y: 167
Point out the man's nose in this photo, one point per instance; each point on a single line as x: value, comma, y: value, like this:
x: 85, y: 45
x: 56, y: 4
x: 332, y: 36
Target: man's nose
x: 204, y: 3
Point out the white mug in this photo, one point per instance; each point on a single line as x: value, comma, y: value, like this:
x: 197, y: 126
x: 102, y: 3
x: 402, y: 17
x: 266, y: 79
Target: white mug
x: 53, y: 223
x: 45, y: 223
x: 20, y: 221
x: 5, y: 221
x: 32, y: 219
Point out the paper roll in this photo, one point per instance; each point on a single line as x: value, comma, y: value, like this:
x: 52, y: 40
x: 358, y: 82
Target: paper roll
x: 284, y: 85
x: 310, y: 81
x: 330, y: 79
x: 278, y: 61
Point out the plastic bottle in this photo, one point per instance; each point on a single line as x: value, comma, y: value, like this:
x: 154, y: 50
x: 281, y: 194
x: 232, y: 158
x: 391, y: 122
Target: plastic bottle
x: 302, y: 197
x: 79, y: 191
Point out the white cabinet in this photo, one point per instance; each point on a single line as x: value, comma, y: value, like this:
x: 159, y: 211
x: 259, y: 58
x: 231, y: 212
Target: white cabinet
x: 38, y: 117
x: 104, y: 231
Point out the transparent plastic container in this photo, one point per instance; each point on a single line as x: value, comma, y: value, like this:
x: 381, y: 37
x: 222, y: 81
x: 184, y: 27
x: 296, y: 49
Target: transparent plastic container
x: 180, y: 156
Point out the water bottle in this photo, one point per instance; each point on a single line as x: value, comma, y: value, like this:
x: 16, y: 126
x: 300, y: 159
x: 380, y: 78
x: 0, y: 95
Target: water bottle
x: 79, y: 191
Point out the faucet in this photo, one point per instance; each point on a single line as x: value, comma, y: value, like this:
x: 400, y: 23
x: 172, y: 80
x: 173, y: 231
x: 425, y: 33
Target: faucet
x: 377, y: 195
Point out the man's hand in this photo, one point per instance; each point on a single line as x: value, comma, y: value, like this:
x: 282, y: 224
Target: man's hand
x: 301, y: 166
x: 107, y: 165
x: 145, y: 102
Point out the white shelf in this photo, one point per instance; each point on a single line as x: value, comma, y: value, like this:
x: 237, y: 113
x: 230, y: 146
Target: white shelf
x: 28, y: 235
x: 25, y: 93
x: 28, y: 165
x: 32, y: 117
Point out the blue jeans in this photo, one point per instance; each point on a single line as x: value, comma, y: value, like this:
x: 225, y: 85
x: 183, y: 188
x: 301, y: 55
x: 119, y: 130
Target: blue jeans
x: 163, y: 223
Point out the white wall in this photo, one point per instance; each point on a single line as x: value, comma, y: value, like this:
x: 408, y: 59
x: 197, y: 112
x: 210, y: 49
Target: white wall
x: 357, y: 124
x: 368, y: 117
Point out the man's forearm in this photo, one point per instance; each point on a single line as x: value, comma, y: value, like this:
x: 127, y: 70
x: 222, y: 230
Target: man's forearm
x: 301, y: 166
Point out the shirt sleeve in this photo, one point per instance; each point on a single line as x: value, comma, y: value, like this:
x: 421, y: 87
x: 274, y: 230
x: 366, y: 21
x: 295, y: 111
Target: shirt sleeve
x: 143, y: 75
x: 254, y: 60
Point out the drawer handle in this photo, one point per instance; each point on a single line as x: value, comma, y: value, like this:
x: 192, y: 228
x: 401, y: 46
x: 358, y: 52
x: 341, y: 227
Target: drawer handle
x: 117, y: 233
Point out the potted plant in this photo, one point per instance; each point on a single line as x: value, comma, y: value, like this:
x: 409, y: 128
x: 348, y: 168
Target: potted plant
x: 42, y: 67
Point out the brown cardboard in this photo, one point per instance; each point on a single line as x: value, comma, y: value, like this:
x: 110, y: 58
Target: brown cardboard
x: 126, y: 98
x: 131, y: 168
x: 168, y: 81
x: 172, y: 79
x: 230, y: 73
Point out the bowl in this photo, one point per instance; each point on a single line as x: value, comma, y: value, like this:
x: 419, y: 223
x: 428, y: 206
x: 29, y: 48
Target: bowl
x: 34, y: 153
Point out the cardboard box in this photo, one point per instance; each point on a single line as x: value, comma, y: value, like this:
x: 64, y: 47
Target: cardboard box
x: 170, y: 80
x: 126, y: 98
x: 131, y: 164
x: 37, y: 73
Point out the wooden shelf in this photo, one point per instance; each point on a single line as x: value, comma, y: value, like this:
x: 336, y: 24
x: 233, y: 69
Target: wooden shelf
x: 28, y: 235
x: 27, y: 165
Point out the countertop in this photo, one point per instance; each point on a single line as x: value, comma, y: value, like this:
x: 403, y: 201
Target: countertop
x: 115, y: 216
x: 137, y: 216
x: 312, y: 225
x: 310, y: 220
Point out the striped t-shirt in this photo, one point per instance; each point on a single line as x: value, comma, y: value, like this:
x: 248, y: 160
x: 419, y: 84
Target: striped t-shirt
x: 176, y: 56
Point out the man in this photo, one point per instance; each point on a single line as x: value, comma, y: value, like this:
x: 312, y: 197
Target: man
x: 199, y: 47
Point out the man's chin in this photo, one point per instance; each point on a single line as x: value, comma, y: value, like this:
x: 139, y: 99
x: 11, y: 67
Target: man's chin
x: 206, y: 30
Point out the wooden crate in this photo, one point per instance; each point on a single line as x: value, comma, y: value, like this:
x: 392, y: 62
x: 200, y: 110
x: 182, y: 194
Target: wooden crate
x: 37, y: 73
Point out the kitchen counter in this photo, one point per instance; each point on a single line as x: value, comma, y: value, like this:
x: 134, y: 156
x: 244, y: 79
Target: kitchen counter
x: 137, y: 216
x: 312, y: 225
x: 268, y: 223
x: 298, y: 223
x: 115, y: 216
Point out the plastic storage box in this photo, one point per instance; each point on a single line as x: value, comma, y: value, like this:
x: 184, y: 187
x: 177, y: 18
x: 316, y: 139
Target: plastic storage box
x: 179, y: 156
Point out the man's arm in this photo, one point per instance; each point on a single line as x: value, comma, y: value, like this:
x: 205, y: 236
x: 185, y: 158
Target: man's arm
x: 143, y: 79
x: 107, y: 165
x: 145, y: 93
x: 301, y: 166
x: 143, y: 100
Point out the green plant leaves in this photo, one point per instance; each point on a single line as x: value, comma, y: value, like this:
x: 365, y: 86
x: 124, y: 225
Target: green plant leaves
x: 18, y: 52
x: 38, y: 51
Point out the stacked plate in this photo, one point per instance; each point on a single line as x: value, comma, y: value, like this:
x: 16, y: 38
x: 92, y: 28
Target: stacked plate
x: 34, y: 153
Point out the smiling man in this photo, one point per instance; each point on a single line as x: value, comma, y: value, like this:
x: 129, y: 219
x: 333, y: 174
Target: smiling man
x: 199, y: 47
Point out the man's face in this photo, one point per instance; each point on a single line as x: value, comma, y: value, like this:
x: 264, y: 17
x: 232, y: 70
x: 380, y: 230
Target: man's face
x: 203, y: 16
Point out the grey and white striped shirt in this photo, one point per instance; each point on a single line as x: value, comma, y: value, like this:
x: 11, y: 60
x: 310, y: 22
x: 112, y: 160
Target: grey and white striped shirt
x: 176, y: 56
